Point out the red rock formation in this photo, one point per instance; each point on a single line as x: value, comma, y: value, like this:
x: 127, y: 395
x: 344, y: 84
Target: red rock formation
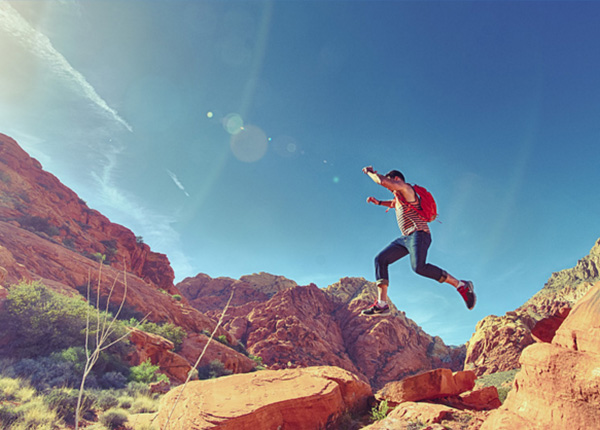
x: 545, y: 329
x: 498, y: 342
x: 431, y: 385
x: 159, y: 351
x: 195, y: 343
x: 36, y: 200
x: 293, y: 326
x: 558, y: 386
x: 299, y: 399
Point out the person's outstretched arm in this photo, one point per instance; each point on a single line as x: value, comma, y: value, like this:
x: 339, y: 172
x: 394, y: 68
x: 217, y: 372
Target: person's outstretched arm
x: 391, y: 184
x: 386, y: 203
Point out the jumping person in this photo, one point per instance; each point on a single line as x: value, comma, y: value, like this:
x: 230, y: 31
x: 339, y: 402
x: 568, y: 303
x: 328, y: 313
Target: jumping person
x: 415, y: 240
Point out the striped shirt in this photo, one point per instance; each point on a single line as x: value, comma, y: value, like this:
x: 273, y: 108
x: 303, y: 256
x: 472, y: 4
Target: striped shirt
x: 408, y: 219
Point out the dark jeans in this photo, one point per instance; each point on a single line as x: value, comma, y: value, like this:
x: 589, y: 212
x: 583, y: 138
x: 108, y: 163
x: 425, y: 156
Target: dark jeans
x: 415, y: 244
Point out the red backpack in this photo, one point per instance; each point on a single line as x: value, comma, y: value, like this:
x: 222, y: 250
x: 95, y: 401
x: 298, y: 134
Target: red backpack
x: 428, y: 211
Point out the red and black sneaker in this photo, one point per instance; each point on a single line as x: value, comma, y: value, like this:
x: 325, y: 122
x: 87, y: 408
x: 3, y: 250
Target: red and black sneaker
x: 375, y: 309
x: 468, y: 294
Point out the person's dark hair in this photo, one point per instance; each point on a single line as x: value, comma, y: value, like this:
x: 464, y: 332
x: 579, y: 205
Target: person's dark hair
x: 394, y: 174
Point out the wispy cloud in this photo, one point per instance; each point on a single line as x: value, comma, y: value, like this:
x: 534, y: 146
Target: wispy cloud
x: 177, y: 182
x: 39, y: 45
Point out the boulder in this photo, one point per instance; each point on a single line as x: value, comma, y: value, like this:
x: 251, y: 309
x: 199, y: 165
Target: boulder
x: 299, y: 399
x: 430, y: 385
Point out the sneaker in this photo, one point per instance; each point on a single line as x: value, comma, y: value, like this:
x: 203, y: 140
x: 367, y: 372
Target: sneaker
x: 374, y: 309
x: 467, y: 293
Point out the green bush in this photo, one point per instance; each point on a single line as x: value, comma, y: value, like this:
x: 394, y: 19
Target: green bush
x: 64, y: 402
x: 38, y: 224
x: 39, y: 321
x: 114, y: 418
x: 214, y: 369
x: 35, y: 414
x: 146, y: 373
x: 8, y: 416
x: 380, y: 411
x: 144, y: 405
x: 167, y: 330
x: 106, y: 399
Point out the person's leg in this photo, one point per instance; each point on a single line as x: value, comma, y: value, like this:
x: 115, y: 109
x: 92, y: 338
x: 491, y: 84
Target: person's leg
x: 418, y: 246
x: 392, y: 253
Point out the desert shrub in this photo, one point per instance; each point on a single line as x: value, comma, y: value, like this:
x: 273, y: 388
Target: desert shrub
x: 114, y: 418
x: 8, y: 416
x: 16, y: 390
x: 125, y: 401
x: 45, y: 372
x: 146, y: 373
x: 39, y: 321
x: 380, y: 411
x: 35, y: 414
x: 503, y: 393
x: 111, y: 380
x: 415, y: 425
x: 143, y: 405
x: 106, y: 399
x: 64, y: 401
x: 214, y: 369
x: 135, y: 389
x: 167, y: 330
x: 110, y: 247
x: 8, y: 388
x: 38, y: 224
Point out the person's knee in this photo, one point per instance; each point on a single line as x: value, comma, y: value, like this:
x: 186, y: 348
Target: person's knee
x: 419, y: 269
x: 380, y: 260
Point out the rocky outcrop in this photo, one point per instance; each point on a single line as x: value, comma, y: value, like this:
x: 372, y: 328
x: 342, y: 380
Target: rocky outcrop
x: 428, y: 416
x: 293, y: 326
x: 159, y: 351
x: 498, y: 342
x: 194, y: 345
x: 36, y: 200
x: 438, y: 399
x: 207, y: 294
x: 431, y: 385
x: 309, y: 399
x: 558, y: 386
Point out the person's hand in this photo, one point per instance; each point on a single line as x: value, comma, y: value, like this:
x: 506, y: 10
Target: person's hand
x: 372, y: 200
x: 368, y: 169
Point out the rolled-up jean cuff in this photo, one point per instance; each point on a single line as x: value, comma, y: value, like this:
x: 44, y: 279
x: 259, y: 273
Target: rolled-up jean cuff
x: 444, y: 277
x: 382, y: 282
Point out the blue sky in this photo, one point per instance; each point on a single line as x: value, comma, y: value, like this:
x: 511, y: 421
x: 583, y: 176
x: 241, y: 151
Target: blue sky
x: 231, y: 135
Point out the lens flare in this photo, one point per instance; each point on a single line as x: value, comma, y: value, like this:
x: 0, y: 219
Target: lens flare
x: 233, y: 123
x: 249, y: 144
x: 285, y: 146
